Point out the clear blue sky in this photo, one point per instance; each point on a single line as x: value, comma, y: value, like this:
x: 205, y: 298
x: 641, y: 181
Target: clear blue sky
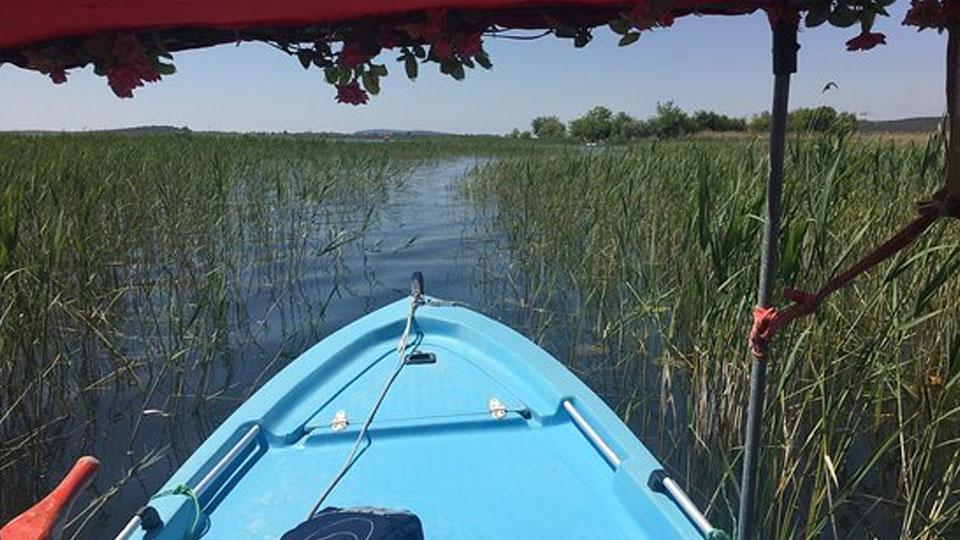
x: 718, y: 63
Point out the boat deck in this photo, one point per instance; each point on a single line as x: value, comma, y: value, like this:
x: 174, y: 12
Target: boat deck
x: 474, y: 479
x: 436, y: 447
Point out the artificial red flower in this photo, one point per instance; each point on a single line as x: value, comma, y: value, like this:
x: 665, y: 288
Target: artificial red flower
x: 351, y: 93
x: 436, y: 24
x: 148, y: 73
x: 441, y: 50
x: 388, y: 38
x: 412, y: 30
x: 58, y: 76
x: 36, y: 60
x: 923, y: 14
x: 351, y: 56
x: 468, y: 44
x: 127, y: 49
x: 644, y: 16
x: 133, y: 67
x: 949, y: 13
x: 123, y: 79
x: 866, y: 41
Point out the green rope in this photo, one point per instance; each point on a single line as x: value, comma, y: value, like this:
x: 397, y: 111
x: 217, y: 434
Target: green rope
x: 183, y: 489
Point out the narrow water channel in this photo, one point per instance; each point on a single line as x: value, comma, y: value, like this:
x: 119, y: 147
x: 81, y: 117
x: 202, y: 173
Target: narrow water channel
x: 142, y: 434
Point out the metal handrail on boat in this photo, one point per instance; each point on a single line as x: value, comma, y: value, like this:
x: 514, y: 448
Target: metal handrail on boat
x: 659, y: 481
x: 591, y: 433
x: 204, y: 482
x: 221, y: 465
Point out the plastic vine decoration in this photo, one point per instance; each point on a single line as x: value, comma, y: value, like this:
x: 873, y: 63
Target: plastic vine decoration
x: 348, y: 53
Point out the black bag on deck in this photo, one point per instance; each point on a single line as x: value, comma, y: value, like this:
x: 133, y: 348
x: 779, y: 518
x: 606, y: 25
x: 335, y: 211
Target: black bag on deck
x: 364, y: 523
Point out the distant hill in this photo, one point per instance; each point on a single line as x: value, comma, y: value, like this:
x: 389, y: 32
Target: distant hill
x: 171, y: 130
x: 399, y: 133
x: 920, y: 124
x: 137, y: 130
x: 147, y: 130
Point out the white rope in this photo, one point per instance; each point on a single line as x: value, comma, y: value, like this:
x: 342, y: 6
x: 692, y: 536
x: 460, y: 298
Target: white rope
x: 415, y: 301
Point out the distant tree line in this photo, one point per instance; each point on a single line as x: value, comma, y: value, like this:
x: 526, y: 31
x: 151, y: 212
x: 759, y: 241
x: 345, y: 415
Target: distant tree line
x: 819, y: 119
x: 600, y: 124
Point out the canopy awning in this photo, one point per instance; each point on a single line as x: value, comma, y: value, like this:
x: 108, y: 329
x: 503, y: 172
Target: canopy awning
x: 28, y: 22
x: 129, y: 42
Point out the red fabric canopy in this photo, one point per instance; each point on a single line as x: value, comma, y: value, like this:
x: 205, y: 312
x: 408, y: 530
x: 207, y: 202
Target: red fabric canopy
x: 27, y: 22
x: 129, y: 41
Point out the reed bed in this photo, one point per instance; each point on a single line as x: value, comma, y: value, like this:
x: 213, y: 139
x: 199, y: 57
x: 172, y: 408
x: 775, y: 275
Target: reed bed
x: 148, y: 284
x: 638, y: 266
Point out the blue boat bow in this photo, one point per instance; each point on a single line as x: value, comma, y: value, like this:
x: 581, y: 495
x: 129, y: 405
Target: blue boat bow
x: 483, y: 435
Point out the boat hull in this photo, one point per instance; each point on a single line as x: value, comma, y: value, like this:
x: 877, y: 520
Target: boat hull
x: 476, y: 441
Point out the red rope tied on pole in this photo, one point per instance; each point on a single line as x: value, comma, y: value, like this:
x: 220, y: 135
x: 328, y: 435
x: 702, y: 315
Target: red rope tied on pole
x: 767, y: 320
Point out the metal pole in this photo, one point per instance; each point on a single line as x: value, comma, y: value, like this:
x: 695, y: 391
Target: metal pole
x: 953, y: 112
x: 591, y: 433
x: 153, y: 520
x: 784, y: 63
x: 658, y: 481
x: 687, y: 506
x: 661, y: 483
x: 129, y: 528
x: 226, y: 461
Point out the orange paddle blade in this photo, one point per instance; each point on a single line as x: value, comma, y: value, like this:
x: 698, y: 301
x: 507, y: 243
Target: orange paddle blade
x: 45, y: 520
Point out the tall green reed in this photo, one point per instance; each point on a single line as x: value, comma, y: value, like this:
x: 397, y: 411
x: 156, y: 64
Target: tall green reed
x: 149, y: 283
x: 647, y: 257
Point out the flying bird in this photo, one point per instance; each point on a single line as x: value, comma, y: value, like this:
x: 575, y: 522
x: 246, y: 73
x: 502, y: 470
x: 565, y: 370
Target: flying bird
x: 828, y: 86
